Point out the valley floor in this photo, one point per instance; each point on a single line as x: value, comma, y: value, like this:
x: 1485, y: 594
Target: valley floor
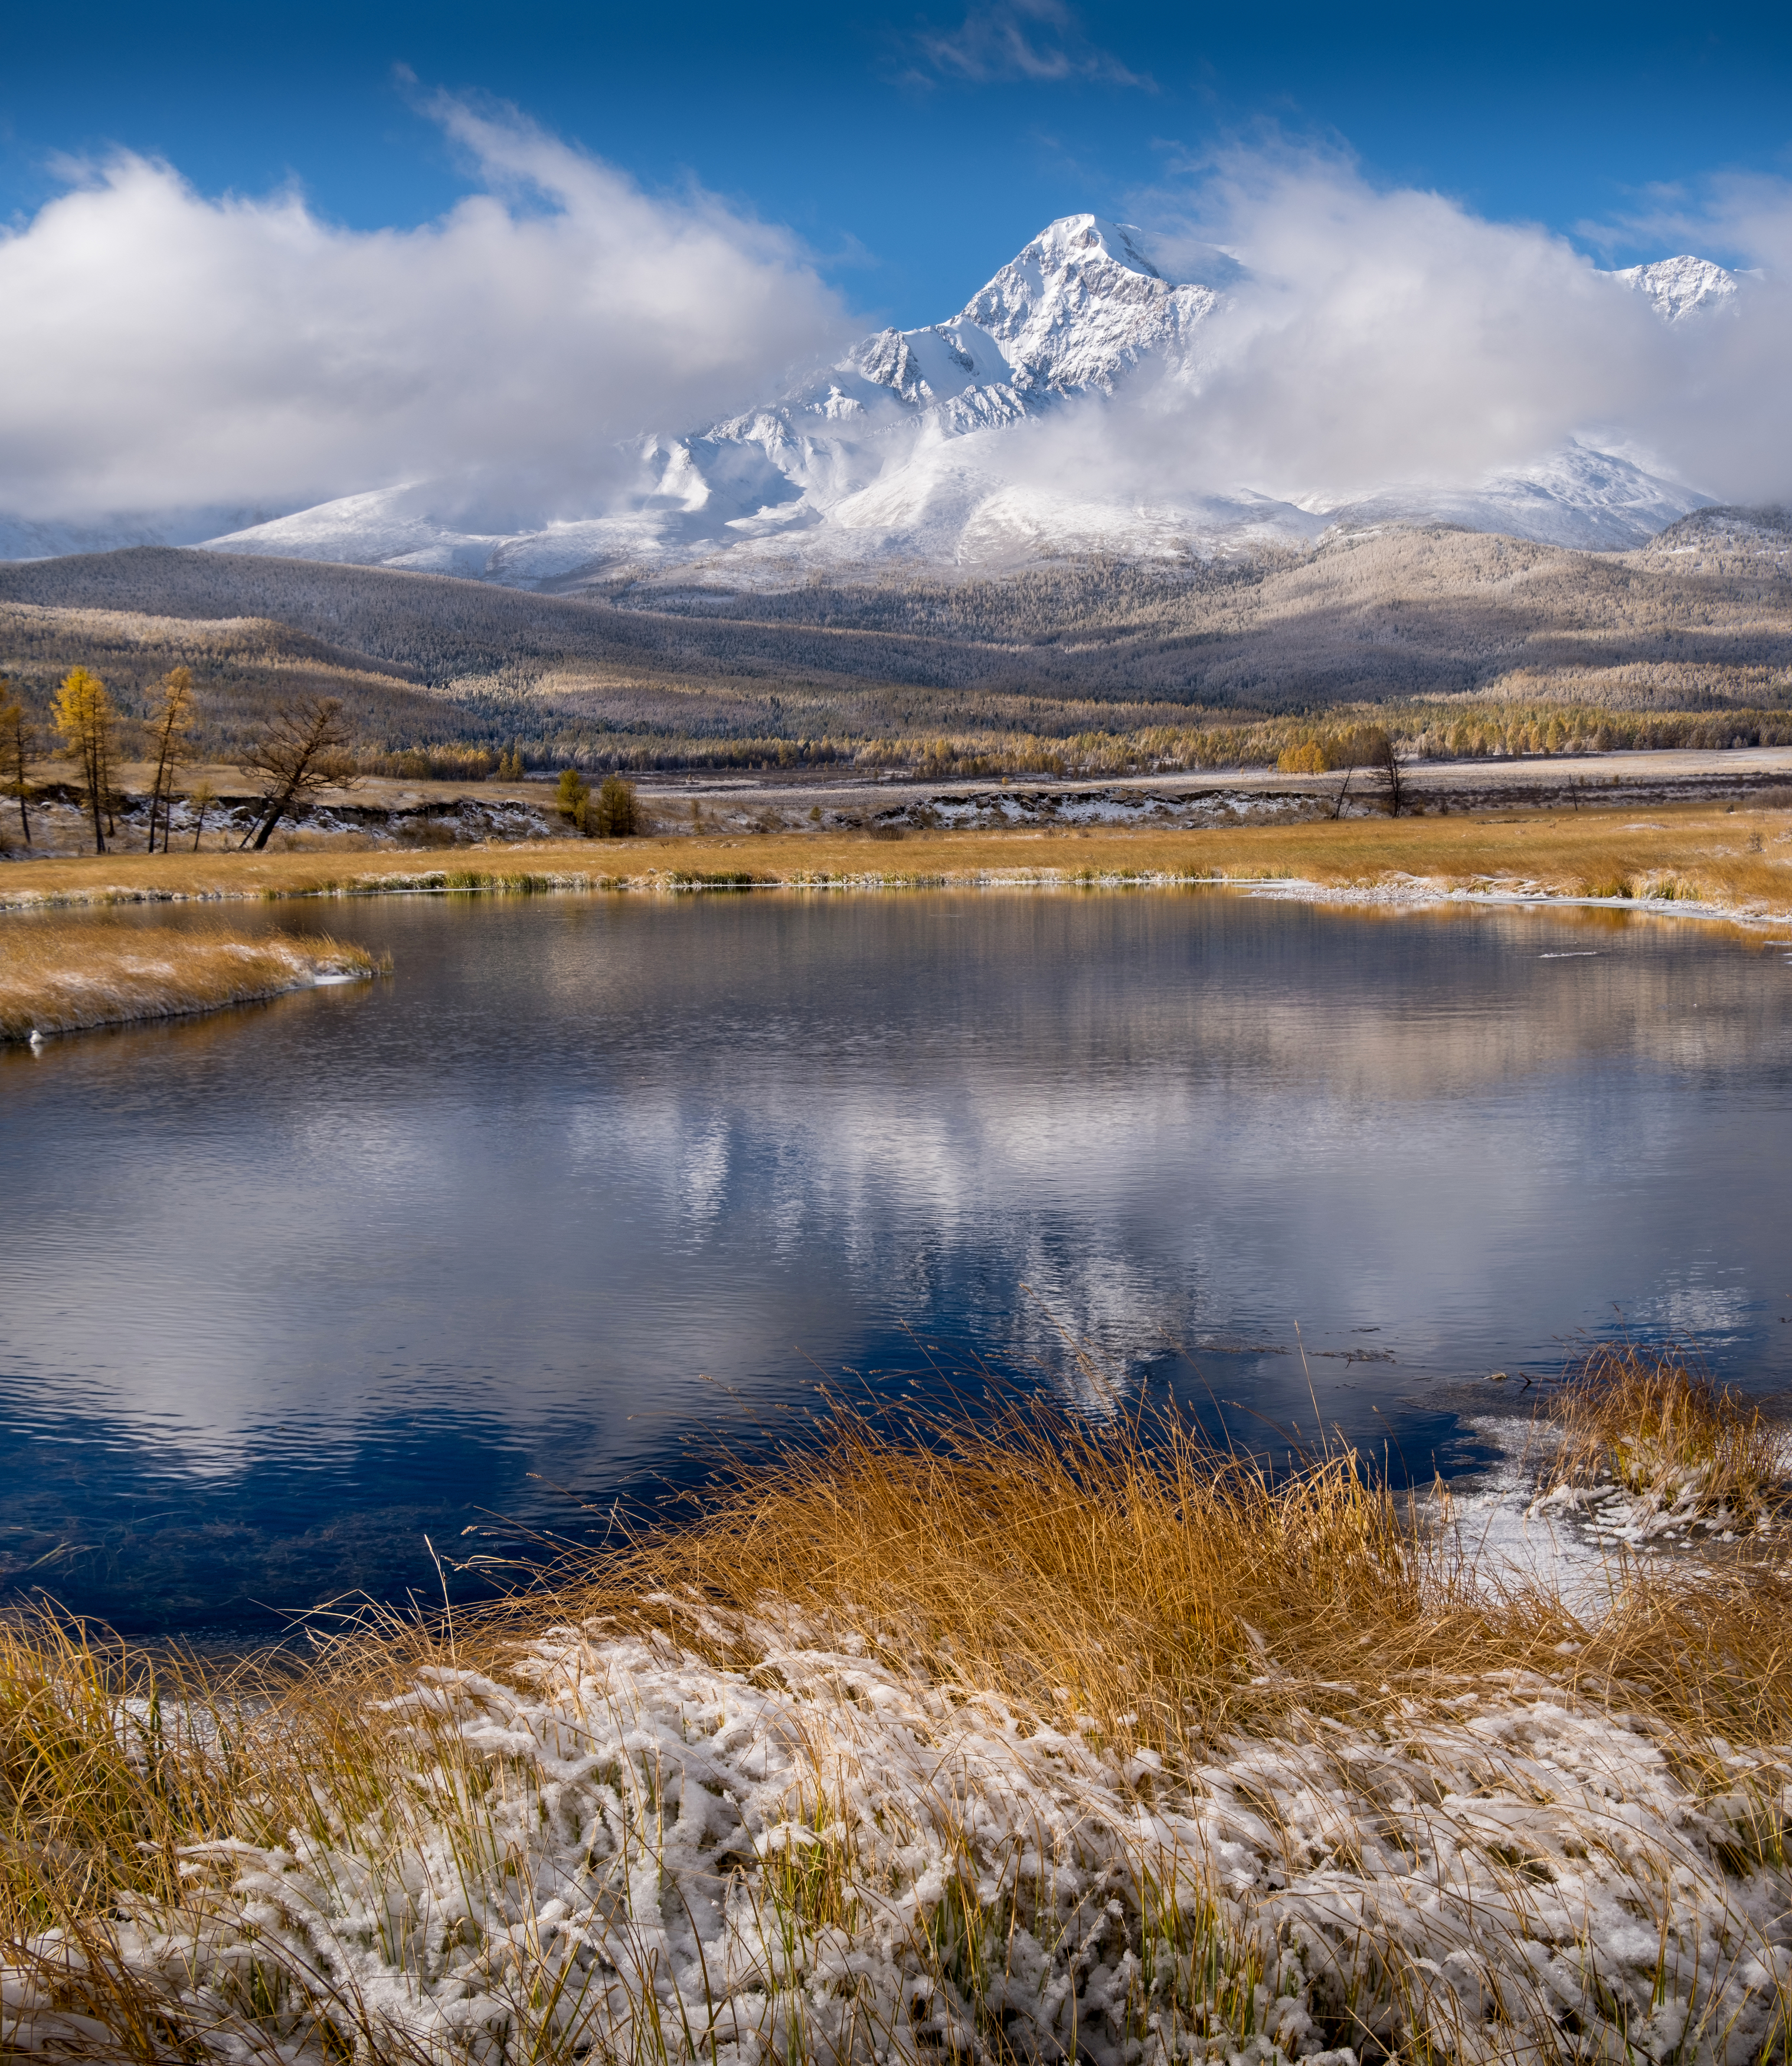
x: 382, y: 813
x: 1734, y: 860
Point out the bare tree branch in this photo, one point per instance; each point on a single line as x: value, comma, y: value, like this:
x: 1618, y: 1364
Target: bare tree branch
x: 304, y: 749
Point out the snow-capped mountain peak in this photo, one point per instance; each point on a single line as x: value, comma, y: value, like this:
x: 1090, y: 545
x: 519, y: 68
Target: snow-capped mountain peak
x: 916, y: 448
x: 1083, y: 301
x: 1680, y: 287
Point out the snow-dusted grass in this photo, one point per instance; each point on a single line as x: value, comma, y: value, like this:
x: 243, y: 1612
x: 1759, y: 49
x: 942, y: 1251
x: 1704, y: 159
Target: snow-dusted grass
x: 1028, y: 1744
x: 1718, y: 861
x: 68, y: 977
x: 1651, y: 1435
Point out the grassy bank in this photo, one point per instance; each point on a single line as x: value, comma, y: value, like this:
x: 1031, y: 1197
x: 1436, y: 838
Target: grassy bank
x: 85, y: 973
x: 1737, y: 859
x: 1041, y: 1740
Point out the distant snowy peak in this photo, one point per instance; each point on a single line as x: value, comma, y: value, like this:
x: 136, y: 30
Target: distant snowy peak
x: 1578, y: 498
x: 1680, y: 287
x: 1084, y: 300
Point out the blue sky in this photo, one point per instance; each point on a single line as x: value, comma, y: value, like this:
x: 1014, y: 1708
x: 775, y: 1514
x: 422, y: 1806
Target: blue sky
x: 913, y: 151
x: 252, y: 260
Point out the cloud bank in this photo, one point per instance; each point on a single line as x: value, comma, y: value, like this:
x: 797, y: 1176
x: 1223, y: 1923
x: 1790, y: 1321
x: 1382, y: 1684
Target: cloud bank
x: 1396, y: 337
x: 165, y: 350
x: 161, y: 349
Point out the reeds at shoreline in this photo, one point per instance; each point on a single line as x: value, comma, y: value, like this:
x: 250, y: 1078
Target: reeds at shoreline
x: 1038, y: 1739
x: 74, y: 976
x: 1658, y: 1429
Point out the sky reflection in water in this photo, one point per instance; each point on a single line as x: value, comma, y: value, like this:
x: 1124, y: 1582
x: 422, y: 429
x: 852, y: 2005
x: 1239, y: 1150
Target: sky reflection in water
x: 288, y: 1289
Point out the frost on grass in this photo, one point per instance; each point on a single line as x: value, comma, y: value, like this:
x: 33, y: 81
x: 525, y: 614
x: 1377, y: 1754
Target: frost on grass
x: 1638, y: 1450
x: 70, y: 977
x: 1025, y: 1741
x: 617, y: 1849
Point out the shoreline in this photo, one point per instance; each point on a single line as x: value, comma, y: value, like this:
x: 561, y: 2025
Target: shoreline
x: 1732, y: 866
x: 88, y: 979
x: 1421, y: 896
x: 1411, y: 893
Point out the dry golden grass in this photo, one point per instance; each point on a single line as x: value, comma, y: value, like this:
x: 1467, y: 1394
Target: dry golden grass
x: 223, y: 1866
x: 1177, y: 1592
x: 72, y: 975
x: 1739, y: 860
x: 1657, y: 1425
x: 1077, y: 1568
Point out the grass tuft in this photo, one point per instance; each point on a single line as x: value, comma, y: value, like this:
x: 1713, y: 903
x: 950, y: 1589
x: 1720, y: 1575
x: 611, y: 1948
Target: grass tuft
x: 1660, y: 1428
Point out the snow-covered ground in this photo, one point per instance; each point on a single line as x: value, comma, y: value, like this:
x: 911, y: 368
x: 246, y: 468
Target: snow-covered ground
x: 617, y: 1849
x: 609, y: 1844
x: 1528, y: 1522
x: 991, y: 808
x: 61, y: 826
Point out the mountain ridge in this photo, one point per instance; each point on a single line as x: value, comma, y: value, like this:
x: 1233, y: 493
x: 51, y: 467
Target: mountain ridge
x: 920, y: 450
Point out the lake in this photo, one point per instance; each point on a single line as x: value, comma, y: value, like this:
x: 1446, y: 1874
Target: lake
x: 512, y: 1240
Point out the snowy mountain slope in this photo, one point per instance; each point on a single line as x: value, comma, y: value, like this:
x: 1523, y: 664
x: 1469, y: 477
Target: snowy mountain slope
x: 1084, y: 300
x: 1681, y: 287
x: 1580, y: 497
x: 1729, y: 539
x: 918, y: 449
x: 33, y: 538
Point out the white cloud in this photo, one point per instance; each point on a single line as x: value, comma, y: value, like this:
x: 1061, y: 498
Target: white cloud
x: 1744, y: 216
x: 163, y: 348
x: 1393, y: 336
x: 1036, y: 40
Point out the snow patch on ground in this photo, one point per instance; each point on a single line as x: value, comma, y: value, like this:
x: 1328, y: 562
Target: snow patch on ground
x: 993, y: 808
x: 621, y: 1845
x: 61, y: 827
x: 1415, y: 891
x: 1529, y: 1522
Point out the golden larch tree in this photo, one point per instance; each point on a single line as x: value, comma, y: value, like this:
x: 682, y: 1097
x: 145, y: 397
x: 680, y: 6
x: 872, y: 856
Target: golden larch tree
x: 86, y: 723
x: 168, y: 740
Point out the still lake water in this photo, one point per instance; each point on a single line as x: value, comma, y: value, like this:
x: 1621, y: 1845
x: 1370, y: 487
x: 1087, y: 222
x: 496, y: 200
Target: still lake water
x: 284, y: 1290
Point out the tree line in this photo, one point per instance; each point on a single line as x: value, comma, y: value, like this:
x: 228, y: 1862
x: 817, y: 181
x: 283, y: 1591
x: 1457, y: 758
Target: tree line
x: 304, y: 746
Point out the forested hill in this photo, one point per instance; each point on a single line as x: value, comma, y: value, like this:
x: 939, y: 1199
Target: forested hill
x: 1701, y: 622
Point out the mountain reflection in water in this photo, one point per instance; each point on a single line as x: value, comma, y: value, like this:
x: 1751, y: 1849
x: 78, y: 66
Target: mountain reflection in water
x: 286, y: 1290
